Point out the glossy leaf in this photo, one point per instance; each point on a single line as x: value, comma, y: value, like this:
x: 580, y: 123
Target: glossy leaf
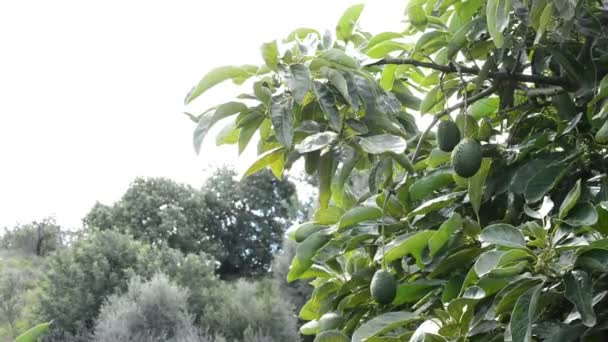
x: 570, y: 200
x: 316, y: 142
x: 383, y: 143
x: 357, y: 215
x: 298, y: 80
x: 425, y: 186
x: 383, y: 323
x: 264, y: 160
x: 270, y: 54
x: 524, y: 315
x: 218, y: 75
x: 348, y: 21
x: 444, y: 233
x: 412, y: 243
x: 477, y: 183
x: 502, y: 234
x: 281, y: 115
x: 579, y: 291
x: 208, y: 119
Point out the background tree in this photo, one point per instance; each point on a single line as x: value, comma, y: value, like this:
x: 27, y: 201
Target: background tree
x: 491, y: 226
x: 239, y: 223
x: 37, y: 237
x: 248, y: 219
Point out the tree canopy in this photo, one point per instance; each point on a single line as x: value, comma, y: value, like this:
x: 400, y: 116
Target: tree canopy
x: 240, y: 223
x: 504, y: 238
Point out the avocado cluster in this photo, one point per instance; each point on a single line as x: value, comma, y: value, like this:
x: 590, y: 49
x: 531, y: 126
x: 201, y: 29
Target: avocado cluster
x: 466, y: 153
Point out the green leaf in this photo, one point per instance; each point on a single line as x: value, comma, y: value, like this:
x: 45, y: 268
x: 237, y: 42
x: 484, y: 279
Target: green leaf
x: 327, y: 101
x: 209, y: 118
x: 455, y: 261
x: 229, y: 135
x: 383, y: 323
x: 543, y: 181
x: 387, y: 80
x: 459, y: 40
x: 417, y: 17
x: 32, y: 334
x: 412, y: 243
x: 506, y: 298
x: 383, y: 143
x: 502, y: 234
x: 570, y: 200
x: 484, y: 108
x: 583, y: 214
x: 338, y: 81
x: 329, y: 215
x: 236, y: 74
x: 298, y: 80
x: 381, y: 37
x: 264, y: 160
x: 435, y: 98
x: 281, y: 115
x: 357, y: 215
x: 497, y: 14
x: 566, y: 8
x: 593, y: 260
x: 430, y: 183
x: 307, y: 249
x: 579, y: 291
x: 382, y: 49
x: 444, y: 233
x: 248, y: 127
x: 437, y: 157
x: 348, y: 21
x: 340, y: 58
x: 476, y: 184
x: 524, y: 315
x: 412, y: 292
x: 431, y: 41
x: 270, y: 53
x: 487, y: 262
x: 316, y: 142
x: 545, y: 17
x: 436, y: 203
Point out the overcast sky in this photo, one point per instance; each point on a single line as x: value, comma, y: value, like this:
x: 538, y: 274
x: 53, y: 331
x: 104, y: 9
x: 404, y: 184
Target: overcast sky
x: 91, y: 91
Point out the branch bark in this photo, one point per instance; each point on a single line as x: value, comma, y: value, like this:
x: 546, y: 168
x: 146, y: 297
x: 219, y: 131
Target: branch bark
x: 496, y: 75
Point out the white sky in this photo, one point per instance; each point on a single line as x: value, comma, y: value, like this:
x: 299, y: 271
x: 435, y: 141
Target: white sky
x: 91, y: 91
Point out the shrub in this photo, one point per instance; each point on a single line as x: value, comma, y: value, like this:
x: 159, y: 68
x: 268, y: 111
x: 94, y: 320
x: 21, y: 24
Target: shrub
x: 257, y: 306
x: 157, y: 308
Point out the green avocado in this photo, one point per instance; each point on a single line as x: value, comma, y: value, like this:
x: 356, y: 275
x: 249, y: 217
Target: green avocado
x: 331, y: 336
x: 602, y: 135
x: 448, y: 135
x: 383, y: 287
x: 330, y: 321
x: 466, y: 158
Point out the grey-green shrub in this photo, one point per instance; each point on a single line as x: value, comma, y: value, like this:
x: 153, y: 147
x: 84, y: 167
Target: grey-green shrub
x: 157, y: 308
x: 255, y: 305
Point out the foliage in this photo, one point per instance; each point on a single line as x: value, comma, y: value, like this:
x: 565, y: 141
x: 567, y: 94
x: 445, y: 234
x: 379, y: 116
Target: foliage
x: 296, y: 292
x: 37, y: 238
x: 159, y: 211
x: 156, y: 308
x: 248, y: 219
x: 249, y: 310
x: 515, y: 252
x: 19, y: 278
x: 34, y: 333
x: 239, y: 223
x: 78, y: 279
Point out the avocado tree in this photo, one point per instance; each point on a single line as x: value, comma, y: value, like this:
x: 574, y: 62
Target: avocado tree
x: 487, y: 223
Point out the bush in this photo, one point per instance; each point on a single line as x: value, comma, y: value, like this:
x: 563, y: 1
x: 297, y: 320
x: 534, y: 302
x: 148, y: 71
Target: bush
x: 256, y: 307
x: 154, y: 309
x: 79, y: 279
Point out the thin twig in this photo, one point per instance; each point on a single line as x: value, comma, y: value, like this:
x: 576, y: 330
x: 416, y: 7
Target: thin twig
x: 496, y: 75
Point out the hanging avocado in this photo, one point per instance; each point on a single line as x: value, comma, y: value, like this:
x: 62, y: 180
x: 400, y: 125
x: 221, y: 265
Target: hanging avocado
x: 466, y: 158
x: 383, y: 287
x: 448, y: 135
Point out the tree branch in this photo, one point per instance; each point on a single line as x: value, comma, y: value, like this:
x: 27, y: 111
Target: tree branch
x: 496, y: 75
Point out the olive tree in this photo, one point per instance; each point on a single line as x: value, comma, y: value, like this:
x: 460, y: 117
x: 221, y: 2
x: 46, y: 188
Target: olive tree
x: 481, y: 127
